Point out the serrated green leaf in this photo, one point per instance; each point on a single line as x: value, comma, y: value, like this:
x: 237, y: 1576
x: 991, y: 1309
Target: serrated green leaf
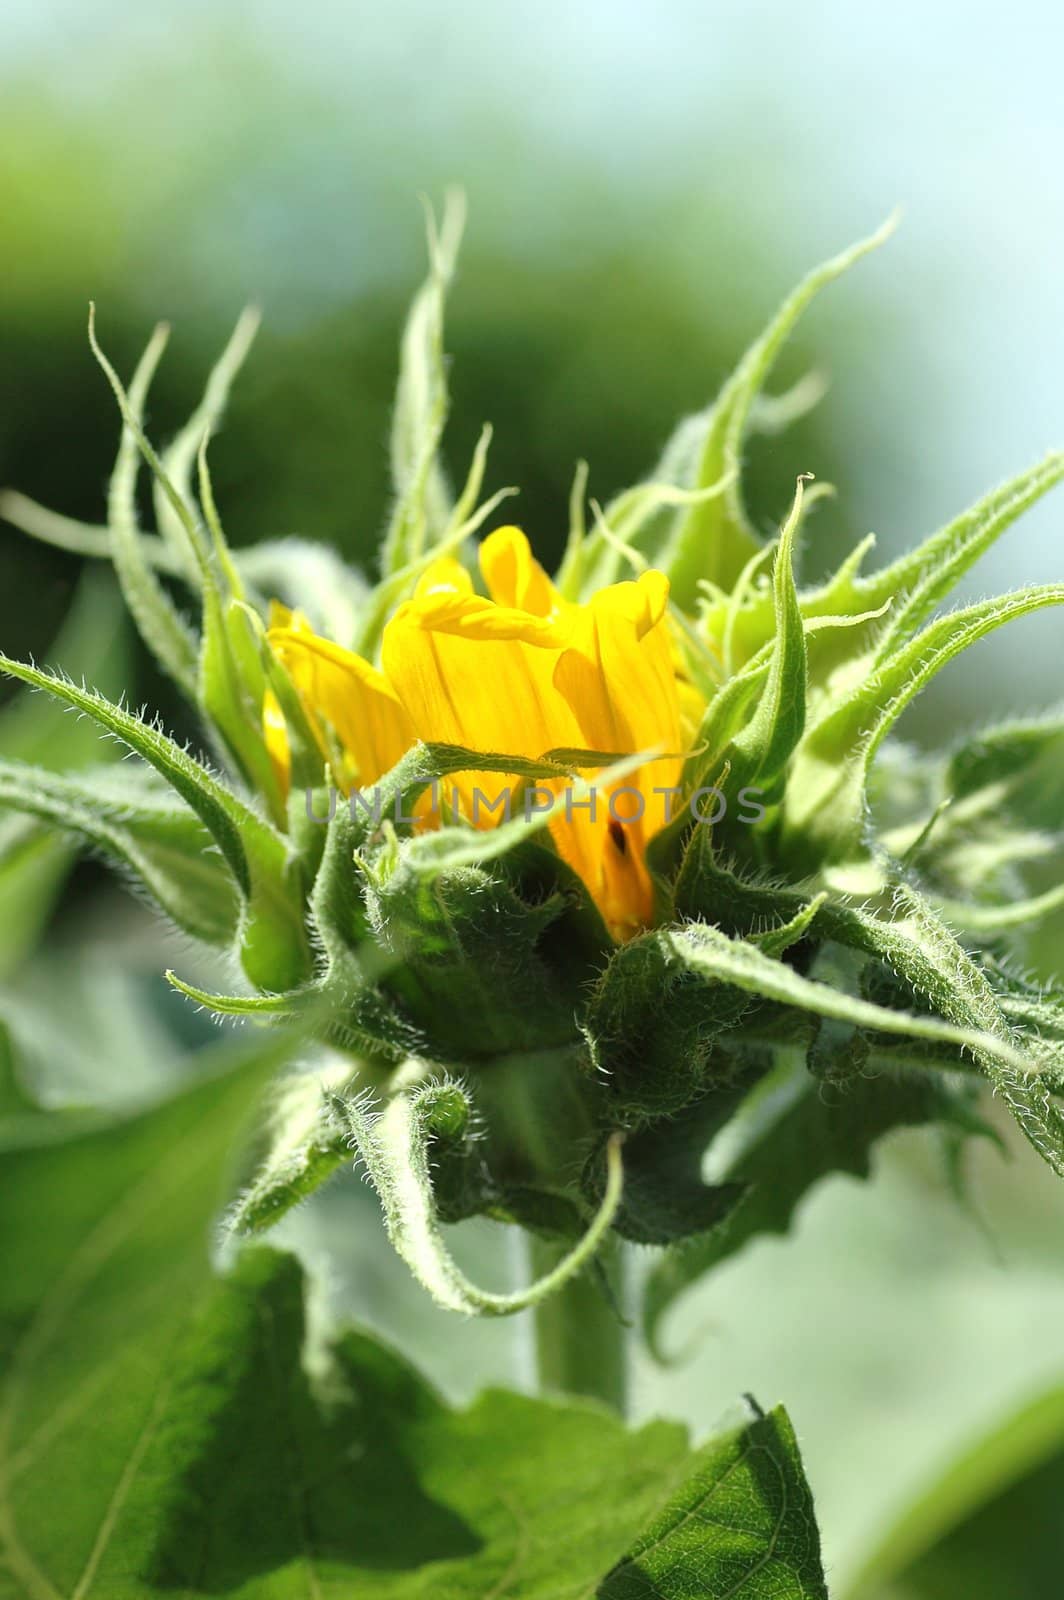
x: 749, y: 1489
x: 385, y: 1490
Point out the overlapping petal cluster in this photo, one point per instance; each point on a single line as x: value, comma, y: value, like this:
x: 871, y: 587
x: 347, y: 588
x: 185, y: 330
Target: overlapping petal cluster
x: 519, y: 671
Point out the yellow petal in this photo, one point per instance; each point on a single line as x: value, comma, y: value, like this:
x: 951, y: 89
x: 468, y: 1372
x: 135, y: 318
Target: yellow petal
x: 356, y: 700
x: 514, y: 577
x: 444, y: 576
x: 617, y: 671
x: 275, y: 737
x: 471, y: 672
x: 617, y: 675
x: 476, y: 674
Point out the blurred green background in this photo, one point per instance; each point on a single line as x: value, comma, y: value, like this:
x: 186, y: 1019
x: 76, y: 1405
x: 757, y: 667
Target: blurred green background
x: 645, y: 183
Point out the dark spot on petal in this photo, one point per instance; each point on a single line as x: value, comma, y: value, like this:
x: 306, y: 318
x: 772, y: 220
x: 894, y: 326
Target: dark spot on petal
x: 617, y: 834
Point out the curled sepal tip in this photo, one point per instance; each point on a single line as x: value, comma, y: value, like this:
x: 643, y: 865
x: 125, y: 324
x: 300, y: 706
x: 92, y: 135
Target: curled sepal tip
x: 394, y: 1144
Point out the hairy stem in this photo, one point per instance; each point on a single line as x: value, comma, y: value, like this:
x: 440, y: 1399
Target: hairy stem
x: 580, y: 1340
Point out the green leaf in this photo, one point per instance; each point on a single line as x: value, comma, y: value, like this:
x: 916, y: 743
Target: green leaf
x: 749, y: 1501
x: 383, y: 1489
x: 787, y: 1135
x: 141, y: 1405
x: 162, y: 845
x: 423, y: 505
x: 105, y: 1247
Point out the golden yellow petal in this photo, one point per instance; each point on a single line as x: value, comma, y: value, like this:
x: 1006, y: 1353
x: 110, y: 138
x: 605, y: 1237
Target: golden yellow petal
x: 617, y: 675
x: 444, y: 576
x: 514, y: 577
x: 275, y: 737
x: 354, y: 698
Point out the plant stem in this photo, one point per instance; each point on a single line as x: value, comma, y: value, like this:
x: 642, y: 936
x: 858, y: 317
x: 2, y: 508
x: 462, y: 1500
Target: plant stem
x: 581, y: 1343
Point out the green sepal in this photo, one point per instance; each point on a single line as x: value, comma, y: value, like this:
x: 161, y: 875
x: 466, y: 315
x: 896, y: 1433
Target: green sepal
x: 711, y: 541
x: 975, y: 822
x: 301, y: 1146
x: 665, y: 1198
x: 656, y: 1038
x: 825, y: 801
x: 273, y: 946
x: 227, y: 681
x: 423, y: 504
x: 165, y: 632
x: 906, y: 590
x: 459, y: 943
x: 395, y: 1143
x: 935, y: 969
x: 760, y: 750
x: 160, y: 843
